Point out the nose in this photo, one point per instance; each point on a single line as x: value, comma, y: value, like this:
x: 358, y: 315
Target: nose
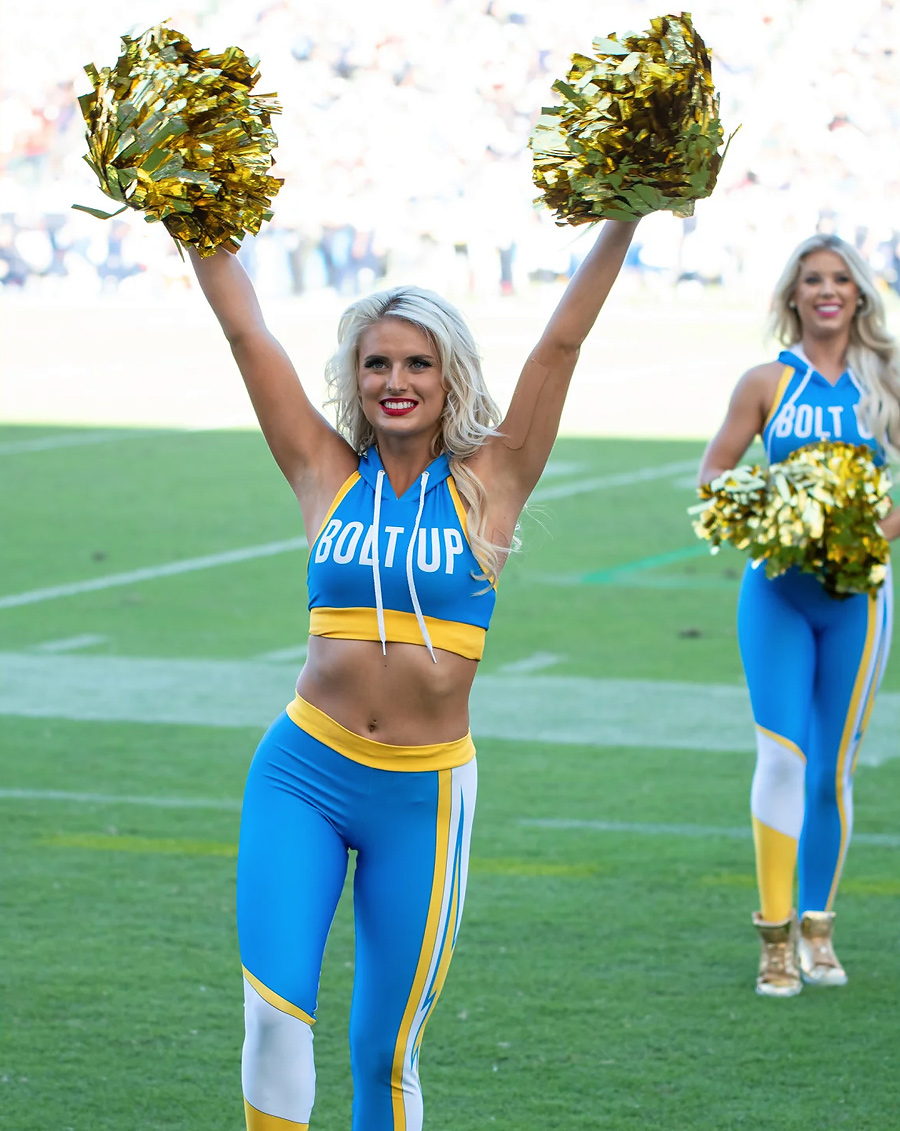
x: 397, y: 378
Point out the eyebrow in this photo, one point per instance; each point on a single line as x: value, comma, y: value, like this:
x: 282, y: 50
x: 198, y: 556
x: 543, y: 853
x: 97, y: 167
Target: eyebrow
x: 410, y: 357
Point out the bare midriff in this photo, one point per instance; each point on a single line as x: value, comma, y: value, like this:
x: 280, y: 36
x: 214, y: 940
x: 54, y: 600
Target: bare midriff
x: 403, y: 698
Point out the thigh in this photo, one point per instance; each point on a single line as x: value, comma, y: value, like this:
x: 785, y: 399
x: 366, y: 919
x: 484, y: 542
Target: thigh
x: 409, y: 890
x: 291, y: 868
x: 853, y: 645
x: 778, y: 652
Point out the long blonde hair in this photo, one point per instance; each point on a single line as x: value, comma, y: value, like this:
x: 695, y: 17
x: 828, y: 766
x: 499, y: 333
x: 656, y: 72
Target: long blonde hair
x: 872, y: 353
x: 470, y: 415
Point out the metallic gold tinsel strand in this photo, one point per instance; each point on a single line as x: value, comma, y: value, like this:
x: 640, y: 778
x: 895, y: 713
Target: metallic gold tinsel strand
x: 175, y: 133
x: 638, y: 129
x: 816, y: 511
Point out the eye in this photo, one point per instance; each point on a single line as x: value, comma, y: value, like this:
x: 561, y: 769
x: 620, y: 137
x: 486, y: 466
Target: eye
x: 374, y: 363
x: 420, y: 363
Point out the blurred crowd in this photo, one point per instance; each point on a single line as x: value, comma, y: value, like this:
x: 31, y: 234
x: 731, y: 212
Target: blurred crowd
x: 403, y: 144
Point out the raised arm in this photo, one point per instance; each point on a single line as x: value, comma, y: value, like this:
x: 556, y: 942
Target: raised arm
x: 518, y: 456
x: 303, y: 443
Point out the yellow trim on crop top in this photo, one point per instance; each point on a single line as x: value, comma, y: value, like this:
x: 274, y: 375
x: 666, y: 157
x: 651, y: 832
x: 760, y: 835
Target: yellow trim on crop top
x: 466, y: 640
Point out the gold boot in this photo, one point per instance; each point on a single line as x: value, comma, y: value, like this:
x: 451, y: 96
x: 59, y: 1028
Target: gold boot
x: 819, y: 965
x: 778, y: 974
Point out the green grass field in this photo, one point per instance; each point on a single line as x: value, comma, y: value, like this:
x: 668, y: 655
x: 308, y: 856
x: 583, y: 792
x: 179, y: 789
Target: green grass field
x: 604, y: 974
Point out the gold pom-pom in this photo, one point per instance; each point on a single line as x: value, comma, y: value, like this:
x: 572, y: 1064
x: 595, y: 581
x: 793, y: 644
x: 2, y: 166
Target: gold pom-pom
x: 175, y: 133
x: 816, y: 511
x: 638, y: 129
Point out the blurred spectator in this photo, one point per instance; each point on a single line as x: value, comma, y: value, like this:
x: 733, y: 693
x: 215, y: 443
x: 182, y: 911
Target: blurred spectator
x: 404, y: 143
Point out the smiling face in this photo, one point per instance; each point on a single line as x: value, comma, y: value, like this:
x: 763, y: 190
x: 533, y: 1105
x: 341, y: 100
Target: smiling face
x: 400, y: 380
x: 825, y: 295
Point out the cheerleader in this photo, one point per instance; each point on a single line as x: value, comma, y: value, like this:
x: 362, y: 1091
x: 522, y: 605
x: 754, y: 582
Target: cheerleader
x: 813, y: 661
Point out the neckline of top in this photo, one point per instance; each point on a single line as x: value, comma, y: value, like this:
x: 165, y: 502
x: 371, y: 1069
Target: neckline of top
x: 798, y: 360
x: 370, y: 464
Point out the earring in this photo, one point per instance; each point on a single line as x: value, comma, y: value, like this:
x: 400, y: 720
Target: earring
x: 860, y: 302
x: 792, y: 305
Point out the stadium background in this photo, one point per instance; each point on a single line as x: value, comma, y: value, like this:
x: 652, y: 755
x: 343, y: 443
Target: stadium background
x: 151, y: 566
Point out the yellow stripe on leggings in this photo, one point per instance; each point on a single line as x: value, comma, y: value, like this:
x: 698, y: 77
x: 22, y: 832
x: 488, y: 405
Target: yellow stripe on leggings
x: 782, y: 741
x: 847, y: 738
x: 429, y: 942
x: 258, y: 1121
x: 776, y: 862
x: 450, y: 925
x: 277, y: 1000
x: 873, y: 685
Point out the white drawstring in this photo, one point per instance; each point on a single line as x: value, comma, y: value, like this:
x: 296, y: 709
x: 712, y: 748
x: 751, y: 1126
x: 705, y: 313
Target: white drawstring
x: 414, y: 597
x: 376, y: 570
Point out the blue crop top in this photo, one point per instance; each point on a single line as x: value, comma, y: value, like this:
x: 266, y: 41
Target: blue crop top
x: 416, y: 582
x: 808, y: 408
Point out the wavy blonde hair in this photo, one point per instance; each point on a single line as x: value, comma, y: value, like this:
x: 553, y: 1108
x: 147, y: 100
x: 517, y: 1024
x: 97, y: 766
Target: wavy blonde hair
x: 469, y: 417
x: 872, y: 352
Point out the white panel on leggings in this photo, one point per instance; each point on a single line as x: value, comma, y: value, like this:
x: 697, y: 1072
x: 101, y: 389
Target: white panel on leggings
x: 777, y: 794
x: 277, y: 1070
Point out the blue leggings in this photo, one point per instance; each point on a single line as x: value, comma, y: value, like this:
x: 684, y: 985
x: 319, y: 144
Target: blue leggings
x: 305, y: 806
x: 813, y: 664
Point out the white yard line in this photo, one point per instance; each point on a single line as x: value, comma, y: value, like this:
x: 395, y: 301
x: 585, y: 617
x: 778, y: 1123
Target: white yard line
x: 534, y: 663
x: 71, y: 643
x: 170, y: 569
x: 151, y: 573
x: 616, y: 479
x: 552, y: 824
x: 284, y: 655
x: 555, y: 710
x: 735, y: 832
x: 110, y: 799
x: 72, y: 440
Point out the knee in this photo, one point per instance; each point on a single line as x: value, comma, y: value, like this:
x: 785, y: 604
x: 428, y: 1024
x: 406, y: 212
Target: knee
x: 821, y: 790
x: 277, y: 1069
x: 776, y: 798
x: 372, y: 1053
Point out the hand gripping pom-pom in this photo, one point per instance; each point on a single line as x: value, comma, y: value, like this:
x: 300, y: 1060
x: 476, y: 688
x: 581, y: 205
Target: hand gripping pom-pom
x: 175, y: 133
x: 816, y: 511
x: 637, y: 131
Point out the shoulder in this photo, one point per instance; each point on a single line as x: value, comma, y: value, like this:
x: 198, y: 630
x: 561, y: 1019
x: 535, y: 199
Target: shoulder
x: 765, y: 375
x: 761, y: 383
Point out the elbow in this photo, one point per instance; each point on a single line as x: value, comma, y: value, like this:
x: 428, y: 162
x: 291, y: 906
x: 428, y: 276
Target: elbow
x: 564, y: 349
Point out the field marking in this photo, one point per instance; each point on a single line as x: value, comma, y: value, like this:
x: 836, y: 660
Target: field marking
x: 732, y: 832
x: 616, y: 479
x: 170, y: 569
x: 554, y: 710
x: 284, y: 655
x: 151, y: 573
x: 71, y: 643
x: 552, y: 824
x: 75, y: 440
x: 176, y: 846
x: 539, y: 661
x: 225, y: 804
x: 611, y: 575
x: 557, y: 469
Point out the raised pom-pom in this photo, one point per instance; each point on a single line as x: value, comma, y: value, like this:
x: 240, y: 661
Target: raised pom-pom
x: 175, y: 133
x: 638, y: 129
